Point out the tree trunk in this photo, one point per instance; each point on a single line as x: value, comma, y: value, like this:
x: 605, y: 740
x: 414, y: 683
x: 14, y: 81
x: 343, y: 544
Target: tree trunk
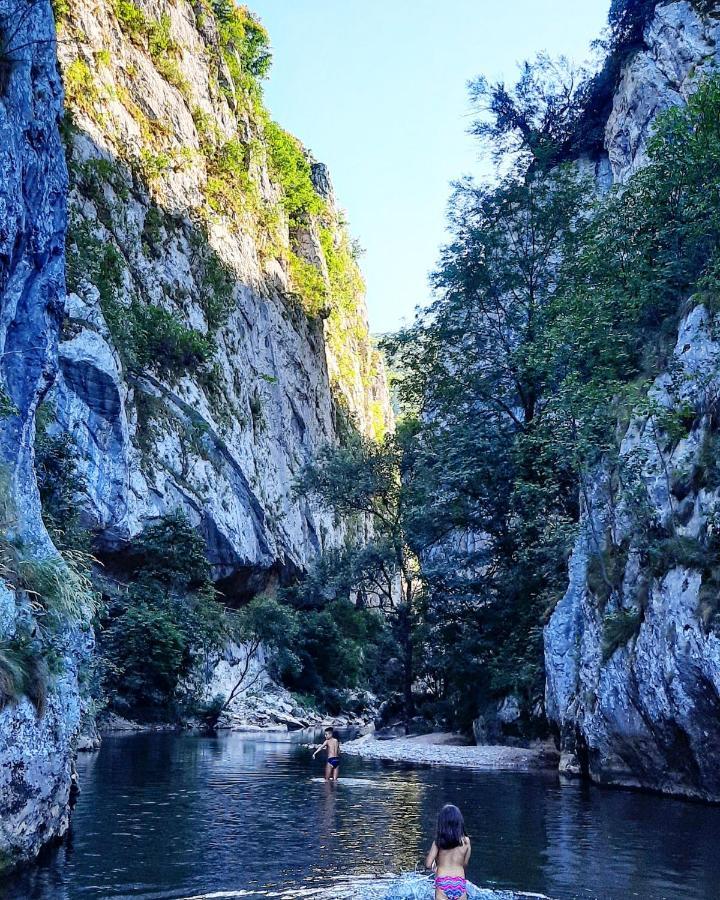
x: 407, y: 648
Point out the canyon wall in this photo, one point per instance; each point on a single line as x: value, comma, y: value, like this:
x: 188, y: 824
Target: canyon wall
x: 35, y: 734
x: 211, y: 338
x: 255, y: 351
x: 633, y: 679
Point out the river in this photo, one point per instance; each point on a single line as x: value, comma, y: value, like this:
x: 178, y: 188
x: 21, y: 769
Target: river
x: 177, y: 816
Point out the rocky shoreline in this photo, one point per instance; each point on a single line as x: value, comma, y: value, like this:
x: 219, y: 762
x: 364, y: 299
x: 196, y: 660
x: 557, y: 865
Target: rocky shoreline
x: 449, y: 750
x: 271, y: 711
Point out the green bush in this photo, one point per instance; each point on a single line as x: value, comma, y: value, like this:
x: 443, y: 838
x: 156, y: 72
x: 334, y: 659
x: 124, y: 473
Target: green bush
x: 80, y: 88
x: 58, y: 483
x: 229, y: 188
x: 618, y: 629
x: 606, y: 570
x: 310, y: 286
x: 291, y: 169
x: 153, y: 231
x: 60, y: 587
x: 171, y: 72
x: 89, y: 259
x: 95, y: 174
x: 159, y: 631
x: 676, y: 551
x: 245, y: 45
x: 217, y: 288
x: 145, y: 336
x: 61, y: 10
x: 148, y: 650
x: 160, y: 341
x: 23, y: 673
x: 132, y: 19
x: 170, y: 552
x: 338, y: 648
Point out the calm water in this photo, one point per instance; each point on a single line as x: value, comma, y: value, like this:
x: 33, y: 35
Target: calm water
x: 166, y: 816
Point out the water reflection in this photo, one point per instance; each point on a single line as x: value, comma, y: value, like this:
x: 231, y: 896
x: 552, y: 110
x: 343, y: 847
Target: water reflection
x: 179, y: 816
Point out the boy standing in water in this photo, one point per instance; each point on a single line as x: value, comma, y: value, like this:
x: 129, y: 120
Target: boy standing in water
x: 332, y: 745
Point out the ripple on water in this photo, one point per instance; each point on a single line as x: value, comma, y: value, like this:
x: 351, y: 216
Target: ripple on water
x: 163, y: 817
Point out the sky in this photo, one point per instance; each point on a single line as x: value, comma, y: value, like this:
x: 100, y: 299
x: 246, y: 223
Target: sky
x: 377, y: 89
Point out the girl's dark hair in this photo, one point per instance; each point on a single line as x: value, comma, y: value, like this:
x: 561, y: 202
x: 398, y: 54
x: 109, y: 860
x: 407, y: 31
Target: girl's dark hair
x: 450, y: 827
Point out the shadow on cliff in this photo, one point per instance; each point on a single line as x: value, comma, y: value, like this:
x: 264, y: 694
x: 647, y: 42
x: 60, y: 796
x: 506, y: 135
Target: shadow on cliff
x: 155, y: 350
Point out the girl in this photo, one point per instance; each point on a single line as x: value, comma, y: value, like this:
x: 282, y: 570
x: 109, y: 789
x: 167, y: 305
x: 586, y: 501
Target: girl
x: 449, y: 855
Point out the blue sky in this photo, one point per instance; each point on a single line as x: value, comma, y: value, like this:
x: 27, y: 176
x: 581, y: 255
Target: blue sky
x: 377, y: 89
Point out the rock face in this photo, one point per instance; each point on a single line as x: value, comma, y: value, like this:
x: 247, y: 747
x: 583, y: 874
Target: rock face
x: 35, y: 751
x: 643, y: 708
x: 680, y: 47
x: 176, y: 208
x: 633, y: 649
x: 212, y: 336
x: 257, y: 702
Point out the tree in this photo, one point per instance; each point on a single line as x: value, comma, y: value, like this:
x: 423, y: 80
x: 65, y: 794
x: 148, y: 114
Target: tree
x: 362, y: 482
x: 555, y: 309
x: 264, y: 625
x: 536, y: 120
x: 162, y: 622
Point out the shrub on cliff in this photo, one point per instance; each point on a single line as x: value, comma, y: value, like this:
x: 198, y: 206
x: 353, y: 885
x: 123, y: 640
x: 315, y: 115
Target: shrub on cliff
x: 246, y: 44
x: 291, y: 168
x: 162, y: 622
x: 361, y: 481
x: 23, y: 672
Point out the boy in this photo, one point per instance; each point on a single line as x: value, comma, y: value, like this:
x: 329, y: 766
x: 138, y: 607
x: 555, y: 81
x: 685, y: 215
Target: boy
x: 332, y: 745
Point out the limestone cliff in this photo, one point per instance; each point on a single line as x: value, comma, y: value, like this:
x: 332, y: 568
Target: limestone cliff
x: 216, y: 334
x: 35, y: 734
x: 633, y: 678
x: 212, y: 336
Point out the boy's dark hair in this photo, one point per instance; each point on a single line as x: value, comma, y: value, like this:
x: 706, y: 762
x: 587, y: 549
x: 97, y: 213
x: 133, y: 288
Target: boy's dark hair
x: 450, y: 827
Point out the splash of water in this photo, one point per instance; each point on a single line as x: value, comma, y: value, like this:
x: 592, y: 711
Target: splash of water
x: 389, y: 887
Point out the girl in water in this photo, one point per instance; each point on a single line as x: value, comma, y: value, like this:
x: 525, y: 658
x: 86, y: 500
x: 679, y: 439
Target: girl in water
x: 449, y: 855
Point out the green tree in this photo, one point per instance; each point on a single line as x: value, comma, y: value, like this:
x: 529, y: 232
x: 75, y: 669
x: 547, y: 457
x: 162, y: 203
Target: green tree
x: 491, y: 505
x: 265, y: 630
x: 556, y: 307
x: 162, y: 622
x: 537, y: 118
x: 362, y: 482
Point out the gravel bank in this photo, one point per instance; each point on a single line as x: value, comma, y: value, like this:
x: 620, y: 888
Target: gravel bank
x: 437, y: 750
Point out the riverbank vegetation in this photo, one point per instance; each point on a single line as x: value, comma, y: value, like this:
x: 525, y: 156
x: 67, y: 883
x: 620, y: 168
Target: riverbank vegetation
x: 557, y: 305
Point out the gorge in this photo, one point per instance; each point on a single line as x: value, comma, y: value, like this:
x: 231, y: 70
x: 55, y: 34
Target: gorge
x: 199, y: 448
